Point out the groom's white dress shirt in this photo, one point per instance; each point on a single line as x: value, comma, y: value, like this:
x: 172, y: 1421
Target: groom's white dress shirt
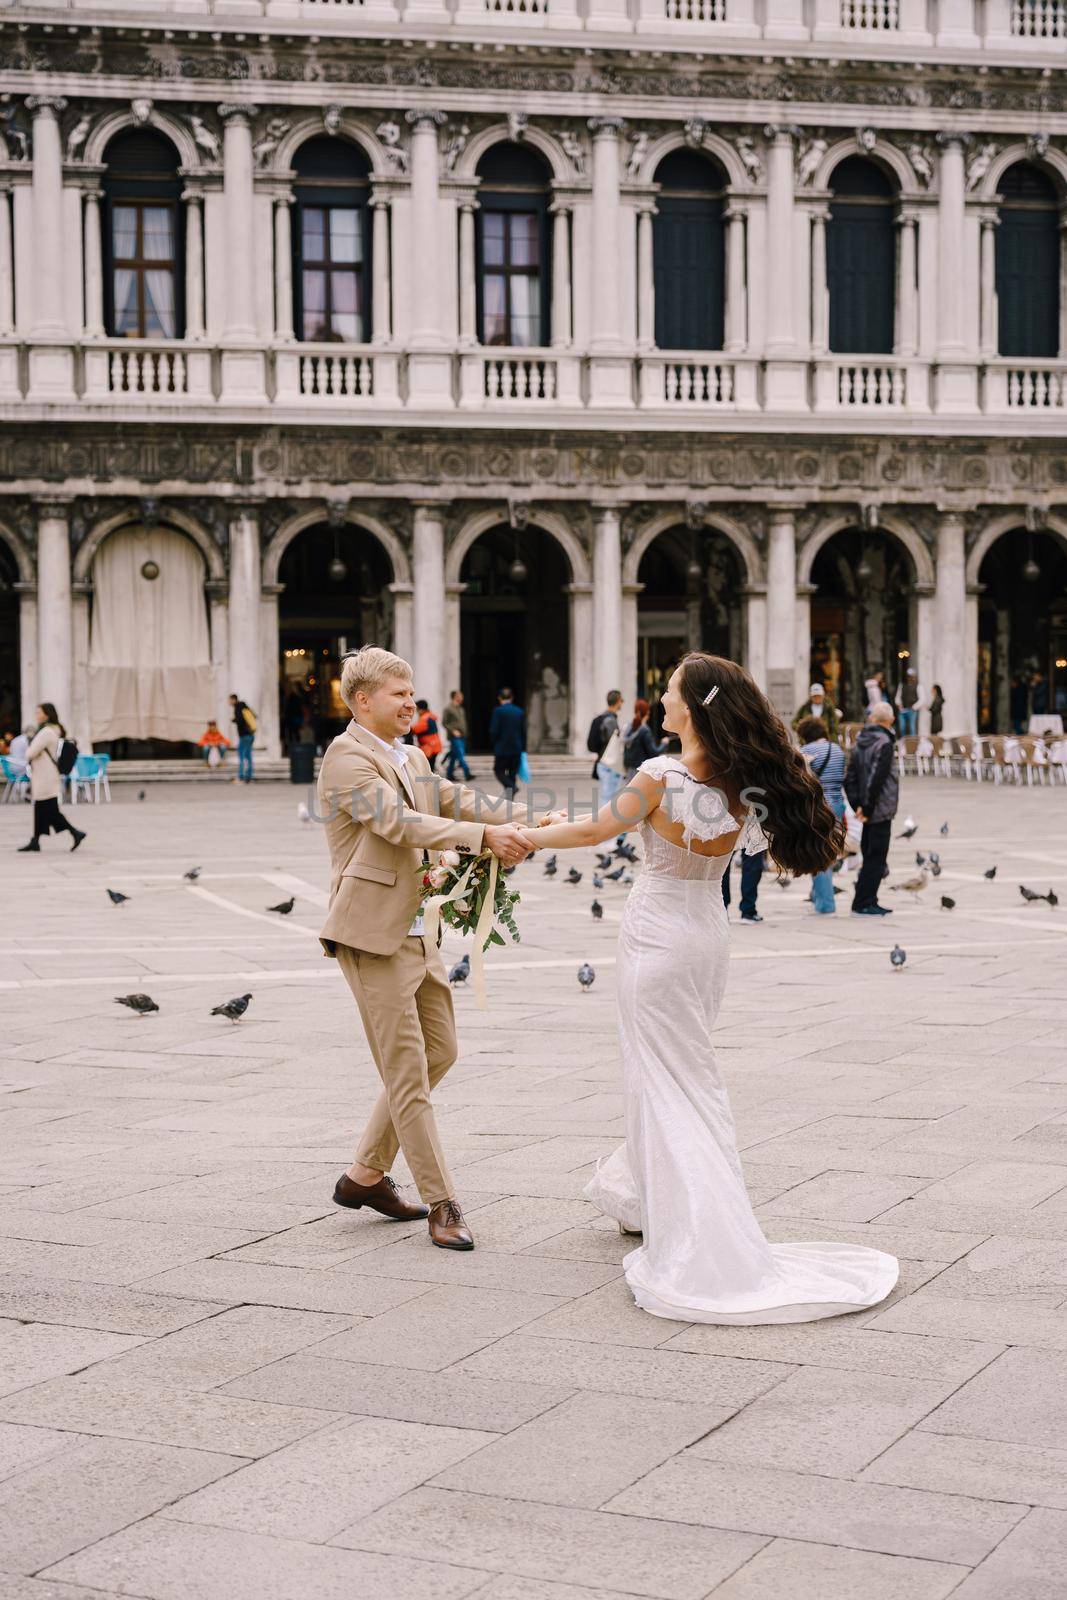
x: 398, y: 755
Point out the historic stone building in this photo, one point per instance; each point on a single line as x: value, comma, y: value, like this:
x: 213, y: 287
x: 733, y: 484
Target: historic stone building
x: 540, y: 339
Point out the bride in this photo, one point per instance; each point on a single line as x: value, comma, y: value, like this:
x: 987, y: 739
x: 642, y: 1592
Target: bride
x: 677, y: 1180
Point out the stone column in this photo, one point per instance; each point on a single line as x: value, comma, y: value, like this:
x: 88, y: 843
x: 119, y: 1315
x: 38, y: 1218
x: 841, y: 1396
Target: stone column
x: 269, y: 712
x: 425, y: 220
x: 781, y: 608
x: 950, y: 298
x: 7, y: 267
x: 785, y: 374
x: 217, y: 591
x: 403, y: 642
x: 646, y: 280
x: 244, y: 609
x: 607, y: 598
x: 561, y: 277
x: 630, y: 669
x: 820, y: 297
x: 79, y: 716
x: 27, y: 593
x: 283, y: 268
x: 736, y: 333
x: 468, y: 277
x: 238, y: 204
x: 606, y: 332
x: 381, y: 319
x: 583, y: 698
x: 55, y: 631
x: 755, y: 654
x: 987, y: 289
x: 923, y: 657
x: 802, y: 678
x: 950, y: 603
x: 907, y: 284
x: 453, y: 663
x: 429, y: 576
x: 49, y: 319
x: 94, y: 267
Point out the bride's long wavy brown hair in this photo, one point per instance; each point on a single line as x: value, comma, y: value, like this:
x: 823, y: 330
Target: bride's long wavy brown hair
x: 753, y: 757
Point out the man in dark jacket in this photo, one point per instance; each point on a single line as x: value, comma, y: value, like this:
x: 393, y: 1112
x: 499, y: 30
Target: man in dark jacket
x: 872, y: 787
x: 507, y: 735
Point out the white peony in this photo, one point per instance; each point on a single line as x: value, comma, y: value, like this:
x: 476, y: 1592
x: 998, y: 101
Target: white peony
x: 449, y: 858
x: 463, y: 905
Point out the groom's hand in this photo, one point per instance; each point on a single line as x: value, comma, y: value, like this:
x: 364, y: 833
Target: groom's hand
x: 507, y: 843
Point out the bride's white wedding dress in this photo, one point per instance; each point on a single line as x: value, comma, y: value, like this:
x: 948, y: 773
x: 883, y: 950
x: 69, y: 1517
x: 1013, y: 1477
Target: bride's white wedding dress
x: 678, y: 1178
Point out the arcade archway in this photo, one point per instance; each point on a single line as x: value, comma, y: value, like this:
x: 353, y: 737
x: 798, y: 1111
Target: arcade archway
x: 863, y: 615
x: 1022, y: 630
x: 691, y: 599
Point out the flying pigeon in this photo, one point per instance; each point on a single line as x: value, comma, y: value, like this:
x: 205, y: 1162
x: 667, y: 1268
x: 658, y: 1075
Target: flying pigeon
x: 461, y: 971
x: 613, y: 877
x: 141, y: 1003
x: 285, y: 907
x: 944, y: 830
x: 597, y: 909
x: 574, y: 876
x: 192, y: 875
x: 598, y: 881
x: 910, y: 827
x: 603, y: 860
x: 550, y: 867
x: 990, y: 873
x: 234, y: 1009
x: 947, y: 902
x: 586, y: 976
x: 898, y: 957
x: 625, y: 852
x: 116, y: 898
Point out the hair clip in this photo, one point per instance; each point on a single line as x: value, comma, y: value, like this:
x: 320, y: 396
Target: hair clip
x: 709, y: 697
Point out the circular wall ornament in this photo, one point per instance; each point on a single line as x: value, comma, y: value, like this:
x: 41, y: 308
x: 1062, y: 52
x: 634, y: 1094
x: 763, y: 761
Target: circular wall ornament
x: 150, y: 570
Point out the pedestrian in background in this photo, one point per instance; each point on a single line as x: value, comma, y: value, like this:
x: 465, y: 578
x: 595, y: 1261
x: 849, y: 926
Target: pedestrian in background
x: 507, y: 735
x: 245, y: 720
x: 427, y: 734
x: 817, y: 705
x: 609, y: 767
x: 908, y: 698
x: 937, y: 708
x: 639, y: 742
x: 45, y: 780
x: 454, y: 722
x: 213, y: 739
x: 826, y: 759
x: 872, y: 788
x: 751, y: 873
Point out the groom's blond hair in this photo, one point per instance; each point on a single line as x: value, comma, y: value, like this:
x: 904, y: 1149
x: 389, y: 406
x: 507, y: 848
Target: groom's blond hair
x: 368, y: 669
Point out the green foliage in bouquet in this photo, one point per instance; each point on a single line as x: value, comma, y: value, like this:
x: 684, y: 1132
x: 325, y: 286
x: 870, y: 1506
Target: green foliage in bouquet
x: 463, y: 914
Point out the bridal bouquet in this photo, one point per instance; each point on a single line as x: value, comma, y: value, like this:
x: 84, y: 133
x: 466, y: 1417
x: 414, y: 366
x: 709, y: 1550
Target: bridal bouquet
x: 470, y: 894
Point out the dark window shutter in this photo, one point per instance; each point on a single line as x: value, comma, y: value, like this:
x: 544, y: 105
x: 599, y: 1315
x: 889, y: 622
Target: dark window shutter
x: 1028, y: 265
x: 689, y: 253
x: 861, y: 260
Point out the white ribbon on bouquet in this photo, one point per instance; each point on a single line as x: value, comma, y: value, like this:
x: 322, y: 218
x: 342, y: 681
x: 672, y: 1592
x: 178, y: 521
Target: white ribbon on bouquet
x: 431, y: 918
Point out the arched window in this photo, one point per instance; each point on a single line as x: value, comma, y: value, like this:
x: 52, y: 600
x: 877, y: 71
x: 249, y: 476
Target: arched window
x: 689, y: 252
x: 513, y: 244
x: 143, y: 245
x: 861, y: 259
x: 331, y: 242
x: 1028, y: 263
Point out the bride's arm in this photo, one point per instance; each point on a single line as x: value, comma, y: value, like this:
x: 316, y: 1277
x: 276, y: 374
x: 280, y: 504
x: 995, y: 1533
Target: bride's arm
x: 624, y: 811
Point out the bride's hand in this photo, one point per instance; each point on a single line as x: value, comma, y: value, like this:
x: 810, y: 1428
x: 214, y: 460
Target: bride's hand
x: 552, y: 816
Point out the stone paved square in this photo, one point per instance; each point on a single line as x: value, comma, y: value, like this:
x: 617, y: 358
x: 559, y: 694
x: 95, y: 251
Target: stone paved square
x: 213, y: 1382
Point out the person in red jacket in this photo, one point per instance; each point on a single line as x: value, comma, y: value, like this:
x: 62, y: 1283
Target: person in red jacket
x: 427, y: 734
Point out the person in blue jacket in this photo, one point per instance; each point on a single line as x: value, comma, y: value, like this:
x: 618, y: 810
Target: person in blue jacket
x: 507, y: 735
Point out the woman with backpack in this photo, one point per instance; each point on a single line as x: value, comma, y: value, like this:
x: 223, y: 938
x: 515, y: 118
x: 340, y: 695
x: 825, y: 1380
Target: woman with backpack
x: 48, y: 761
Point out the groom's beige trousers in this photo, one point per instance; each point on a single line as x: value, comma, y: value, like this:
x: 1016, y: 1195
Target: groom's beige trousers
x: 406, y: 1006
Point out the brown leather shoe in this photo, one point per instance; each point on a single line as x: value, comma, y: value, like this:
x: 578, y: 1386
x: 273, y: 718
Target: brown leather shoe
x: 382, y: 1196
x: 448, y: 1229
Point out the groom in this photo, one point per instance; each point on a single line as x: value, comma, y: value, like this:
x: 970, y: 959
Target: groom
x: 383, y: 808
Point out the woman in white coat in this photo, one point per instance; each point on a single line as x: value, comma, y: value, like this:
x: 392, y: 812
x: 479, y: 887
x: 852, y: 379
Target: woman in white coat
x: 44, y: 780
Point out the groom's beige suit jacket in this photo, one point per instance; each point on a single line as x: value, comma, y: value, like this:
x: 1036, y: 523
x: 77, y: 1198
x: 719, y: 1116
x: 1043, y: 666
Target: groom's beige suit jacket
x: 379, y: 819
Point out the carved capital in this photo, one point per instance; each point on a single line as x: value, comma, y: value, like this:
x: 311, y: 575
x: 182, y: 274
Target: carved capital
x: 420, y: 118
x: 44, y: 105
x: 605, y: 127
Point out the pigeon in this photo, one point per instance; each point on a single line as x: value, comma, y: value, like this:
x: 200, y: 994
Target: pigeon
x: 550, y: 867
x: 597, y: 909
x: 574, y: 876
x: 140, y: 794
x: 1053, y: 898
x: 192, y: 875
x: 586, y: 976
x: 784, y: 882
x: 627, y: 878
x: 913, y: 885
x: 625, y: 852
x: 461, y: 971
x: 935, y: 867
x: 507, y: 871
x: 934, y: 858
x: 990, y: 873
x: 910, y: 827
x: 234, y: 1009
x: 598, y: 881
x: 141, y: 1003
x: 898, y: 956
x: 285, y: 907
x: 613, y: 877
x: 944, y: 830
x: 302, y: 811
x: 116, y: 898
x: 603, y: 861
x: 1029, y: 894
x: 947, y: 903
x: 920, y: 859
